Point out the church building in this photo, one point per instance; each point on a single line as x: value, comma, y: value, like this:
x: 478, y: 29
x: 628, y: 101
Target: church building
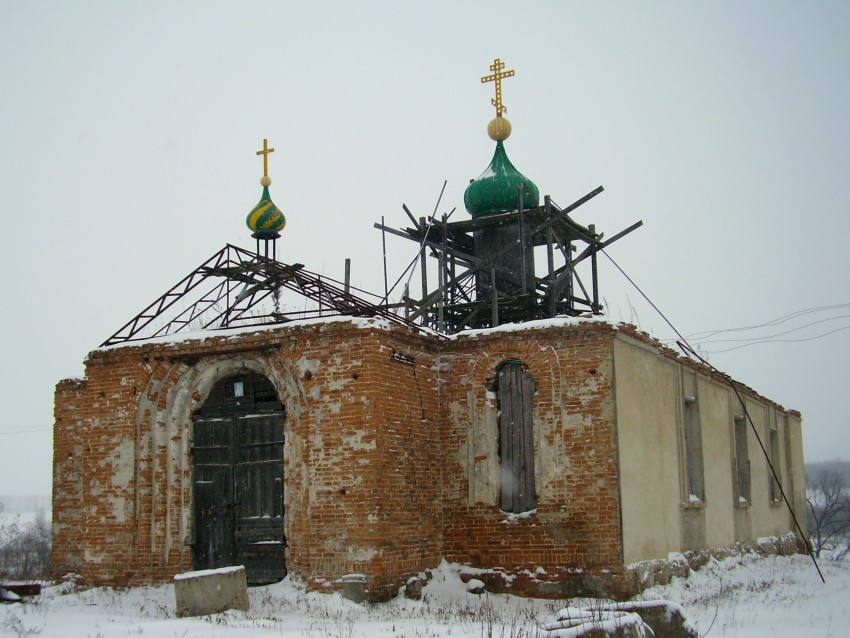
x: 497, y: 421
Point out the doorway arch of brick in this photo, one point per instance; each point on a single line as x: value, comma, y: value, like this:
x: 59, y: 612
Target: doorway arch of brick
x: 175, y: 390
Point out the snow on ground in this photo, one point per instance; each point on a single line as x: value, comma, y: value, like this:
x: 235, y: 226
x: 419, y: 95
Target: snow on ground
x: 741, y: 596
x: 758, y: 597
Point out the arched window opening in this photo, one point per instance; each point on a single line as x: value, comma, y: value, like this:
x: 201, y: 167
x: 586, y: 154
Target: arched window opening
x: 515, y: 388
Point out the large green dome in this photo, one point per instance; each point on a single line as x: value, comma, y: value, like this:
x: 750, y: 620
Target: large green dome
x: 495, y: 190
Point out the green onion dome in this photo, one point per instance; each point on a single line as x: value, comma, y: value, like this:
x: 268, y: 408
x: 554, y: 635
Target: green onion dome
x: 265, y: 219
x: 495, y: 190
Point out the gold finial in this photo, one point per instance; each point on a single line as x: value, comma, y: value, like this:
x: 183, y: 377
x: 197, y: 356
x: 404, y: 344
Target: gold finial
x: 496, y: 77
x: 265, y: 181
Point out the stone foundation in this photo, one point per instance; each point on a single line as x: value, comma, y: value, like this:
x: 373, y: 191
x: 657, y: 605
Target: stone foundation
x: 646, y: 574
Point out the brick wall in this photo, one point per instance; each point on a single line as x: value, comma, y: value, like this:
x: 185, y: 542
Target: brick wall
x: 68, y: 474
x: 361, y: 493
x: 574, y: 533
x: 390, y: 465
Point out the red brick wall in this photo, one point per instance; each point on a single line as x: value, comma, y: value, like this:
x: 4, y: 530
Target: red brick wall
x: 575, y: 530
x: 68, y: 475
x: 380, y: 466
x: 360, y: 490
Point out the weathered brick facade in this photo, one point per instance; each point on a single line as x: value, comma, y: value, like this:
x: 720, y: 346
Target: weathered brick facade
x: 388, y: 467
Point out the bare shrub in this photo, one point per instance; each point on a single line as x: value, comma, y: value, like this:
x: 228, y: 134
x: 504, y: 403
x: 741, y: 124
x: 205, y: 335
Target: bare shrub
x: 24, y: 547
x: 829, y: 514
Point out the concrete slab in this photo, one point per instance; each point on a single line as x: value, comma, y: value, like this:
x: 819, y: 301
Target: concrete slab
x: 211, y: 591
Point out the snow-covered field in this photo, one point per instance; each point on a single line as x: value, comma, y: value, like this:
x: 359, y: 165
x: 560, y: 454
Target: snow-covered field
x: 742, y: 596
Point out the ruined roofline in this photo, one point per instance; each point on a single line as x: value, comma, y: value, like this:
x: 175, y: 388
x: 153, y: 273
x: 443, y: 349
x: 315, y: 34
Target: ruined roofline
x: 359, y: 322
x: 374, y: 323
x: 644, y: 337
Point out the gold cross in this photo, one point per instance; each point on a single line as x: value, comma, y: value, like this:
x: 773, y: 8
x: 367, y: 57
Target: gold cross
x: 497, y: 76
x: 265, y: 153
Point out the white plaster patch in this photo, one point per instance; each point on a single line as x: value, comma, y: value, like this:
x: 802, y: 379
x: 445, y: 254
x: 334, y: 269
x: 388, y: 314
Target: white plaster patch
x: 337, y: 383
x: 122, y: 474
x: 306, y: 365
x: 360, y: 553
x: 333, y: 407
x: 440, y: 365
x: 316, y: 441
x: 356, y: 442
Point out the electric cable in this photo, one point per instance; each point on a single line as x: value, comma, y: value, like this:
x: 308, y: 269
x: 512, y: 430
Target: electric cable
x: 769, y: 340
x: 772, y: 322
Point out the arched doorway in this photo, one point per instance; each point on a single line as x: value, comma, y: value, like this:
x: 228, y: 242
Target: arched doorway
x: 237, y: 478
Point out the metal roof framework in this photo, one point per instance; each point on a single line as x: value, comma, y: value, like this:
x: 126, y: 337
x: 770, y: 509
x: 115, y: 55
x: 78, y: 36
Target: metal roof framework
x: 235, y: 288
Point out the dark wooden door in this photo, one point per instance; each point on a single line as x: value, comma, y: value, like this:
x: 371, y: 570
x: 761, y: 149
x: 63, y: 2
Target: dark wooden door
x: 237, y: 474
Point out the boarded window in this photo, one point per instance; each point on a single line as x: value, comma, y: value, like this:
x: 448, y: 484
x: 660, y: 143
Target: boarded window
x: 693, y: 451
x: 515, y: 389
x: 775, y: 492
x: 742, y: 458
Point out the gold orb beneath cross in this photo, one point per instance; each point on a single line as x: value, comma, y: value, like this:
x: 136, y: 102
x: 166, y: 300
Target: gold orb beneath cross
x: 265, y: 180
x: 499, y: 129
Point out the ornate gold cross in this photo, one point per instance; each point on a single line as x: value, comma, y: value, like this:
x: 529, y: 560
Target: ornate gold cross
x: 265, y: 153
x: 496, y: 77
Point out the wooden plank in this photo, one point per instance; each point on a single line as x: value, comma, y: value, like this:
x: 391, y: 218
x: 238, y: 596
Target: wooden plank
x: 24, y: 590
x: 597, y: 246
x: 505, y: 441
x: 412, y: 218
x: 528, y: 498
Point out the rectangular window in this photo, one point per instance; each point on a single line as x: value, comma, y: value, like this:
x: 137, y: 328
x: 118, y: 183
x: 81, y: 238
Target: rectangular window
x: 775, y: 492
x: 693, y: 451
x: 742, y: 458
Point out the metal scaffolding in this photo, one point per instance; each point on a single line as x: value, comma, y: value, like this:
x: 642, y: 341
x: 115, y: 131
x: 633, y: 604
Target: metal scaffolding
x: 486, y: 267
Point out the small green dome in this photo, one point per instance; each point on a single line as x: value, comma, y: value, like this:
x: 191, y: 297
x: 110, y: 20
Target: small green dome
x: 265, y: 218
x: 495, y: 190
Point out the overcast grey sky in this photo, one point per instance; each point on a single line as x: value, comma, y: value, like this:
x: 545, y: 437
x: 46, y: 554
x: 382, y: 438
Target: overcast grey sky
x: 128, y: 134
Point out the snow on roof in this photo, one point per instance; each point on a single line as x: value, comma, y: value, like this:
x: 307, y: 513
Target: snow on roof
x: 229, y: 333
x: 359, y: 322
x: 554, y: 322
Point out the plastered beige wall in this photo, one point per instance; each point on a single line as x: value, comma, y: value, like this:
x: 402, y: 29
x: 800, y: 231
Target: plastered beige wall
x: 767, y: 517
x: 713, y: 403
x: 650, y: 387
x: 797, y: 475
x: 647, y: 389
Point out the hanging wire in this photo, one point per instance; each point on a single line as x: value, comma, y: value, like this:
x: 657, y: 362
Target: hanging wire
x: 421, y: 245
x: 689, y: 351
x: 23, y: 429
x: 772, y: 338
x: 773, y: 322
